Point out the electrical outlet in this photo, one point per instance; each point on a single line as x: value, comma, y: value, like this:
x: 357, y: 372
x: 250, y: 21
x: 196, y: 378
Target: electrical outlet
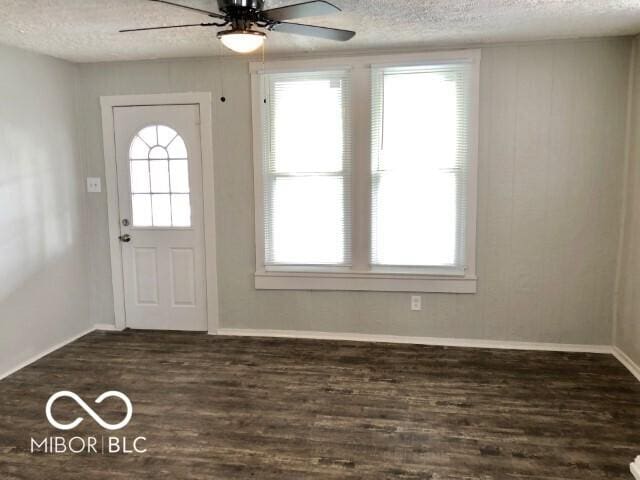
x: 94, y: 185
x: 416, y: 302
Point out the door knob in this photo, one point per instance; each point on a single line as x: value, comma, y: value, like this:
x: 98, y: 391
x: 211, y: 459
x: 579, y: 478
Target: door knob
x: 126, y: 238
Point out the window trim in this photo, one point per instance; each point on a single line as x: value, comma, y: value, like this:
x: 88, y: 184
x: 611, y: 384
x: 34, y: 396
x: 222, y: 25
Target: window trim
x: 361, y: 276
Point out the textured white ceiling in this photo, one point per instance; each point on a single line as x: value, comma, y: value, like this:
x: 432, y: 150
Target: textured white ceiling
x: 86, y: 30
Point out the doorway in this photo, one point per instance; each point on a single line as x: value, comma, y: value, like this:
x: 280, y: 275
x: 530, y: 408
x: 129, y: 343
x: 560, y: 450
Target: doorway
x: 159, y: 189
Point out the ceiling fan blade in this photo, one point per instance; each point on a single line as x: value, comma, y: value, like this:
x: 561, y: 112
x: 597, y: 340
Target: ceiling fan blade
x: 299, y: 10
x: 168, y: 26
x: 314, y: 31
x: 199, y: 10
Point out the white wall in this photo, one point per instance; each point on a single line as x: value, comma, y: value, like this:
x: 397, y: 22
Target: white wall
x: 43, y: 275
x: 627, y: 328
x: 551, y: 170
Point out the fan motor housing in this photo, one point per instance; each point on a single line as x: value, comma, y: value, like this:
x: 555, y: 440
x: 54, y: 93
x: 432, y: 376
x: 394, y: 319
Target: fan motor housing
x: 231, y: 5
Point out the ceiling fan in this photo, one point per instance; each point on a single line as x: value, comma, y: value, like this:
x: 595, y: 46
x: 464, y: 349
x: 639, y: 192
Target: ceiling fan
x: 243, y: 15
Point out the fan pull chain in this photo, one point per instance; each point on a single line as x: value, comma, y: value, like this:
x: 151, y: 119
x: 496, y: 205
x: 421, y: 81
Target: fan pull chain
x: 263, y: 73
x: 223, y: 98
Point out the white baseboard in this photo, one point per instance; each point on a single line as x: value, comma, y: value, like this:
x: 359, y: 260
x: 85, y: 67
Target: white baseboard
x: 49, y: 350
x: 108, y: 327
x: 635, y: 468
x: 435, y: 341
x: 363, y: 337
x: 633, y: 367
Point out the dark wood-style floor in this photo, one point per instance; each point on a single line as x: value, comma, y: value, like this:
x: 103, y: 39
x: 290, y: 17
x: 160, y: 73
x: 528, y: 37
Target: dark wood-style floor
x: 255, y: 408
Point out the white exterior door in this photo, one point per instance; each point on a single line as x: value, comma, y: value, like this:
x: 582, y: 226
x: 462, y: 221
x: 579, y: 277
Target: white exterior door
x: 158, y: 157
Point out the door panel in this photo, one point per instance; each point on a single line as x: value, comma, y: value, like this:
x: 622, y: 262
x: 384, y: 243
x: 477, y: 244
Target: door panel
x: 183, y: 273
x: 161, y: 207
x: 146, y: 273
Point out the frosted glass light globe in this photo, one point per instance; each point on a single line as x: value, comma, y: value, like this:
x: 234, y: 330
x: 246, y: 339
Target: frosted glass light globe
x: 242, y: 41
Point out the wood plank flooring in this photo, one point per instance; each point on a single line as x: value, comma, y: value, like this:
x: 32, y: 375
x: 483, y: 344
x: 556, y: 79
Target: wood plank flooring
x: 256, y: 408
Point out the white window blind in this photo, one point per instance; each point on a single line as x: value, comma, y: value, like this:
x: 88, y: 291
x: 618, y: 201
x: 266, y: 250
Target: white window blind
x: 307, y: 167
x: 420, y: 155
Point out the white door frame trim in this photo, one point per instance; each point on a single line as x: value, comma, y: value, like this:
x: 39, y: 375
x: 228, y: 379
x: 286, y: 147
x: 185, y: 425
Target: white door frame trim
x: 107, y: 104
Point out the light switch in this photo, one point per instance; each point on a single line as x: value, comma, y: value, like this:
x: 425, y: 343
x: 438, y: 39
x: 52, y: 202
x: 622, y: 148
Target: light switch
x: 94, y: 185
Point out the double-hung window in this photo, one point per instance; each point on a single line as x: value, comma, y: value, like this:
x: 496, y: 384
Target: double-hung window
x: 365, y: 173
x: 306, y: 169
x: 419, y: 167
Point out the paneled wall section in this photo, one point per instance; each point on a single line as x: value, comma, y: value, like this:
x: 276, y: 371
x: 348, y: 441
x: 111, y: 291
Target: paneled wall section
x: 552, y: 133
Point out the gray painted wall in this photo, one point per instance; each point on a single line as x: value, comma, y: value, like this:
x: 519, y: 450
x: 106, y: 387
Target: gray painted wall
x: 627, y: 329
x: 552, y: 133
x: 43, y: 274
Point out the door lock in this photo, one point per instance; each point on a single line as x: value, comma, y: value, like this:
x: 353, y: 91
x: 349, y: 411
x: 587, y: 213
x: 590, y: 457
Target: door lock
x: 125, y: 222
x: 126, y: 238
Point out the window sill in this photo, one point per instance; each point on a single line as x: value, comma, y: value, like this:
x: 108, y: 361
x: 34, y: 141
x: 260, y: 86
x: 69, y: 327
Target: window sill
x: 372, y: 282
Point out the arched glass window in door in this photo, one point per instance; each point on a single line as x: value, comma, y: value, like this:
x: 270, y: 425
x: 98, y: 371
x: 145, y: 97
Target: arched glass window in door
x: 159, y: 169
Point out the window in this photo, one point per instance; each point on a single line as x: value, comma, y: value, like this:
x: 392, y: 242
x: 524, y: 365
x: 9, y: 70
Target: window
x: 306, y: 169
x: 366, y: 173
x: 419, y: 158
x: 159, y: 170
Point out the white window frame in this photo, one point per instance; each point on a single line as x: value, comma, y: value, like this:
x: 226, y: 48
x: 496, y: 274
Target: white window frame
x: 360, y: 276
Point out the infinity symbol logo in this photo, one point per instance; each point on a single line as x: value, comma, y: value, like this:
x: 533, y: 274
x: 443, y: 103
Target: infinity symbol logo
x: 89, y: 410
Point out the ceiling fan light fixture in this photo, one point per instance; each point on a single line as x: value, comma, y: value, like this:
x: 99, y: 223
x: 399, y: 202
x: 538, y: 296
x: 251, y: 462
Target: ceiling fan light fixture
x: 242, y: 41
